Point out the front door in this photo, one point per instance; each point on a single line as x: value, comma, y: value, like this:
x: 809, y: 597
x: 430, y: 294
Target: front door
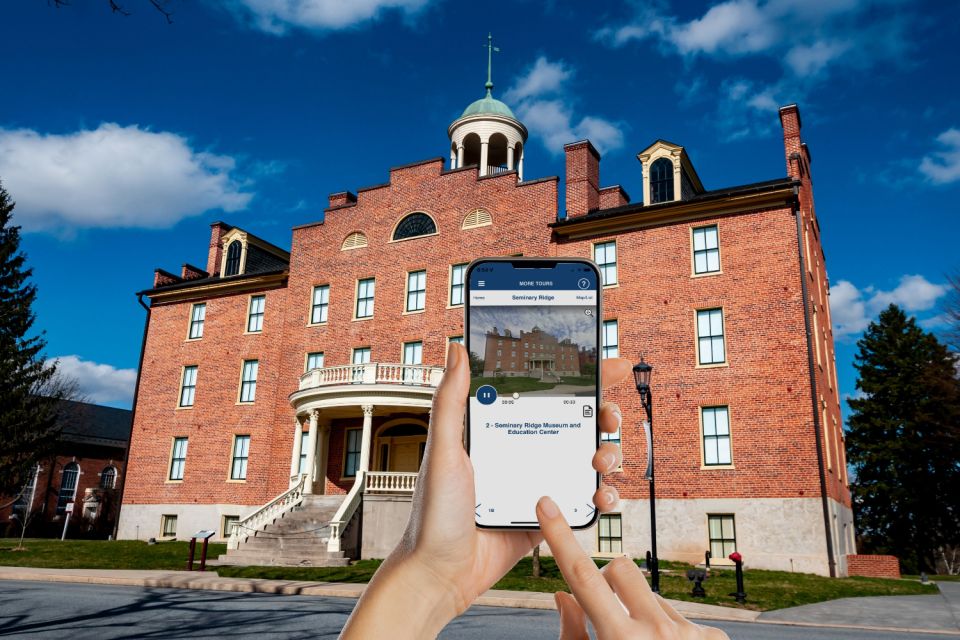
x: 405, y: 456
x: 400, y: 448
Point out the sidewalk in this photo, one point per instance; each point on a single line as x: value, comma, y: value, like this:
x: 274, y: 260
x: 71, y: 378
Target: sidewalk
x: 917, y: 614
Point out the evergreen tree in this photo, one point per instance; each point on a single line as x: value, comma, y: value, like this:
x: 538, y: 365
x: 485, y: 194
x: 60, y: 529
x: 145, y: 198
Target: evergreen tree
x: 29, y: 389
x: 904, y: 442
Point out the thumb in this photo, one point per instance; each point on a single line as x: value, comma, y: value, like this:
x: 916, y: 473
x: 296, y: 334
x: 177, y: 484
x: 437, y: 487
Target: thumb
x: 573, y: 621
x: 450, y: 402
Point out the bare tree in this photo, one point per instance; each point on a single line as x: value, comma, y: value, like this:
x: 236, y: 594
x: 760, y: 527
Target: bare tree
x: 116, y: 7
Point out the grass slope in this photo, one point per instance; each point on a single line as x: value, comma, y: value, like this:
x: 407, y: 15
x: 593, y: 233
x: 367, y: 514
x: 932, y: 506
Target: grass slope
x: 101, y: 554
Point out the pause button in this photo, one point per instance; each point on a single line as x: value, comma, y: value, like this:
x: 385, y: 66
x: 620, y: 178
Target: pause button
x: 486, y: 394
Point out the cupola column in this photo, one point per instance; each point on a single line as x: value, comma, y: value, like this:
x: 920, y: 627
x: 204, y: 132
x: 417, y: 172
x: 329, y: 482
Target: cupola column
x: 453, y: 159
x: 509, y: 158
x: 483, y: 156
x: 520, y: 166
x: 459, y: 155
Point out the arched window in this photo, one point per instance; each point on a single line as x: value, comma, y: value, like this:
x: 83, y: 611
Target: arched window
x: 68, y: 486
x: 661, y: 181
x: 233, y: 258
x: 355, y: 240
x: 415, y: 224
x: 108, y: 478
x: 477, y: 218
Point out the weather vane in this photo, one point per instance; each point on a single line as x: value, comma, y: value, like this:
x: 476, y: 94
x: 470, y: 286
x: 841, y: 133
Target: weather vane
x: 490, y: 49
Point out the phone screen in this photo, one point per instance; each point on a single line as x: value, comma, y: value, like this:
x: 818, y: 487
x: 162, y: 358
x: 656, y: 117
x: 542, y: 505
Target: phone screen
x: 533, y: 337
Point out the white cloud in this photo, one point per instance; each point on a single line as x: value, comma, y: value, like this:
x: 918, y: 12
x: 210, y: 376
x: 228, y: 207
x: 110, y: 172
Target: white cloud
x: 99, y: 383
x: 278, y: 16
x: 113, y: 176
x: 853, y: 309
x: 808, y: 60
x: 736, y: 27
x: 943, y: 167
x: 543, y: 104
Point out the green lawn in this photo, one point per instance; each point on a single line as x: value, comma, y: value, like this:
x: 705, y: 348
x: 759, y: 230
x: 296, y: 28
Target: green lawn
x: 765, y: 589
x: 935, y: 578
x: 101, y: 554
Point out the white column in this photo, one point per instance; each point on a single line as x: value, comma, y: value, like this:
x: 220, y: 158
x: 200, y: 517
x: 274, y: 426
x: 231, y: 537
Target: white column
x: 510, y: 158
x: 311, y: 451
x: 483, y: 157
x: 322, y: 457
x: 365, y: 442
x: 520, y: 165
x: 459, y: 155
x: 453, y: 159
x: 297, y: 443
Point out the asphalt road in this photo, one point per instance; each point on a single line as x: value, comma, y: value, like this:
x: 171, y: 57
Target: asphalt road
x: 78, y: 612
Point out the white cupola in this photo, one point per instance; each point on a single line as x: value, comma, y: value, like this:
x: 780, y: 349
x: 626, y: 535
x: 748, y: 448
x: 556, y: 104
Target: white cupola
x: 487, y: 134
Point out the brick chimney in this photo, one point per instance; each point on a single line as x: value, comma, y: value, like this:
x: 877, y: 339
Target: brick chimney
x: 583, y: 178
x: 217, y: 231
x: 792, y: 144
x: 341, y: 199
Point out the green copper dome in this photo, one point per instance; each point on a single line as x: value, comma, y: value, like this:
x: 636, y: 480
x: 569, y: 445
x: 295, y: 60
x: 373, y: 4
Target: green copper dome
x: 488, y: 106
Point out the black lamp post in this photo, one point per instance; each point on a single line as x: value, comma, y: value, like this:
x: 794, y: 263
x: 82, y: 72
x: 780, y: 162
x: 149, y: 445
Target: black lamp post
x: 641, y: 375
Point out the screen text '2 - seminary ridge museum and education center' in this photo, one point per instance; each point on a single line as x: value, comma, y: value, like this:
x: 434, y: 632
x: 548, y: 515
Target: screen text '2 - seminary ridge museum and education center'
x: 284, y: 397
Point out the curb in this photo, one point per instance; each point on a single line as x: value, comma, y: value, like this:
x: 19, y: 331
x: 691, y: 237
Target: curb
x: 492, y: 598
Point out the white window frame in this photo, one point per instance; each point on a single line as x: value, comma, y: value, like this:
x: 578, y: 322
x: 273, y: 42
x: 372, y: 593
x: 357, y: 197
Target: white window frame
x: 416, y: 291
x: 369, y: 289
x: 315, y: 356
x: 319, y: 304
x: 457, y: 289
x: 607, y: 350
x: 705, y: 250
x: 178, y: 459
x: 188, y: 386
x: 249, y: 371
x: 710, y: 429
x: 255, y: 311
x: 614, y: 543
x: 240, y: 454
x: 710, y: 337
x: 607, y: 266
x: 198, y: 317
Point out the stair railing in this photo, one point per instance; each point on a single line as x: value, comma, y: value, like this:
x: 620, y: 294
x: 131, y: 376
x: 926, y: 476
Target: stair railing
x: 266, y: 514
x: 346, y: 511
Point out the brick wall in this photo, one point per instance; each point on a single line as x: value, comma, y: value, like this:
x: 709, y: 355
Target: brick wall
x: 873, y: 566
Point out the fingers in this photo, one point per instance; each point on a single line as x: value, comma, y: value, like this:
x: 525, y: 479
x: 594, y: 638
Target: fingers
x: 591, y: 590
x: 610, y: 417
x: 450, y: 402
x: 573, y: 621
x: 606, y: 498
x: 614, y: 370
x: 607, y: 458
x: 627, y: 581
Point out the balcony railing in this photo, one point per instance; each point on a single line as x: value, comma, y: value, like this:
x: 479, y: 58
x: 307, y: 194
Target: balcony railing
x: 399, y: 482
x: 373, y: 373
x: 493, y: 170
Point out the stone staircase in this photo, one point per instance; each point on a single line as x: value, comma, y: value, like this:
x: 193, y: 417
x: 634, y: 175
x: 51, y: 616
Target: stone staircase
x: 296, y: 539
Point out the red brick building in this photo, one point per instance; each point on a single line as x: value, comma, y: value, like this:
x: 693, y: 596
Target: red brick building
x: 534, y: 354
x: 86, y: 471
x: 289, y: 392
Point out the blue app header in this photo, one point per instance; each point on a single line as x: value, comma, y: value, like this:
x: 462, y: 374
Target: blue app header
x: 504, y: 276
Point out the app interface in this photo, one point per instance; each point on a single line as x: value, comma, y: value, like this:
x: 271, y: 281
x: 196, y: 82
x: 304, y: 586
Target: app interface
x: 533, y: 390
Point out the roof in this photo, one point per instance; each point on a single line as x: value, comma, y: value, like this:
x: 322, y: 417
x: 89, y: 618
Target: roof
x: 189, y: 284
x: 84, y: 421
x: 716, y: 194
x: 488, y: 105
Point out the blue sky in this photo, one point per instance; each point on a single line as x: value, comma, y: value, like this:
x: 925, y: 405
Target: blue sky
x: 122, y: 138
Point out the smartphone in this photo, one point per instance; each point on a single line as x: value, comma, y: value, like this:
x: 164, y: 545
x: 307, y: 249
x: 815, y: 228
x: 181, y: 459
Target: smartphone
x: 533, y: 334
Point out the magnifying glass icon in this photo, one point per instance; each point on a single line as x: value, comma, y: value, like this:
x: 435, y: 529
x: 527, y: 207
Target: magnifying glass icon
x: 588, y: 312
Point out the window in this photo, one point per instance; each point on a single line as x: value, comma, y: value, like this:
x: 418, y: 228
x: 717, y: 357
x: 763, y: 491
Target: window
x: 456, y: 339
x: 611, y: 342
x: 710, y: 343
x: 661, y: 181
x: 230, y: 525
x: 248, y: 381
x: 68, y: 486
x: 477, y: 218
x: 188, y: 387
x: 605, y: 255
x: 304, y: 444
x: 198, y: 314
x: 412, y: 354
x: 716, y: 435
x: 314, y: 360
x: 706, y: 250
x: 108, y: 478
x: 321, y: 300
x: 361, y: 355
x: 178, y: 458
x: 415, y: 224
x: 352, y: 458
x: 233, y: 258
x: 255, y: 317
x: 355, y: 240
x: 168, y: 526
x: 365, y: 298
x: 457, y: 272
x: 723, y: 538
x: 241, y: 452
x: 416, y: 290
x: 610, y: 533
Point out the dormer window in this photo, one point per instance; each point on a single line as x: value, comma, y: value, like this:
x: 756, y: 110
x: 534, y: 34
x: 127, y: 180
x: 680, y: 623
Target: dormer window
x: 414, y: 225
x: 233, y: 258
x: 661, y: 181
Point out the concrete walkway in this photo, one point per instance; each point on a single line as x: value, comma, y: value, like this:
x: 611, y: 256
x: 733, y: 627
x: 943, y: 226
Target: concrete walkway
x: 925, y: 614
